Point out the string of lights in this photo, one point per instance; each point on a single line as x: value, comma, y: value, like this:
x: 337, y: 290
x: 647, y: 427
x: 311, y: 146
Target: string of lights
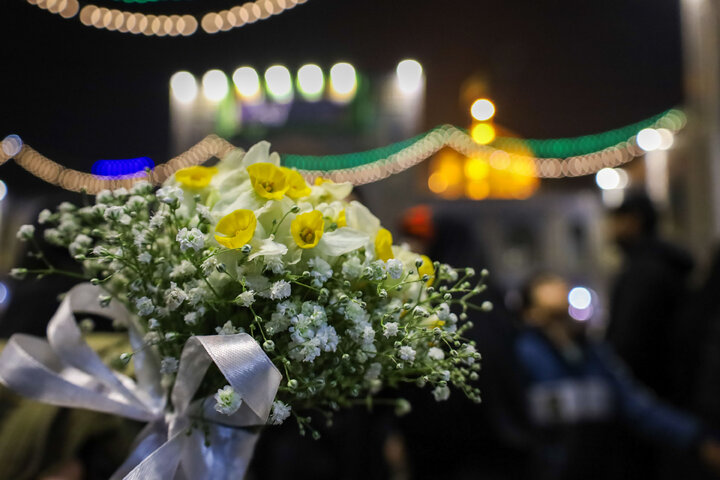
x: 166, y: 25
x: 373, y: 165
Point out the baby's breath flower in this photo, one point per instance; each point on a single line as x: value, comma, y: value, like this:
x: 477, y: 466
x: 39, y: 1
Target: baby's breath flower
x: 227, y: 401
x: 280, y: 412
x: 394, y: 268
x: 44, y: 216
x: 145, y: 257
x: 104, y: 196
x: 144, y: 306
x: 246, y: 298
x: 436, y: 353
x: 18, y: 273
x: 192, y: 238
x: 226, y: 329
x: 25, y: 233
x: 390, y: 329
x: 168, y: 365
x: 209, y: 266
x: 279, y: 290
x: 170, y: 195
x: 174, y: 296
x: 441, y: 393
x: 407, y: 353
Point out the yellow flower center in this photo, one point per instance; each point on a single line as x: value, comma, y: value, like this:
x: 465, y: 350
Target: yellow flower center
x: 307, y: 229
x: 195, y: 177
x: 236, y: 228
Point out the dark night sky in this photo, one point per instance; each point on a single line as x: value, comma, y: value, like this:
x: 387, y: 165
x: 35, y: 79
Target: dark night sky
x: 557, y: 67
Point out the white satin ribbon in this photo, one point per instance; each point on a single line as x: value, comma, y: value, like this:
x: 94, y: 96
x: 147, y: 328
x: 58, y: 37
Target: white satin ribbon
x: 65, y: 371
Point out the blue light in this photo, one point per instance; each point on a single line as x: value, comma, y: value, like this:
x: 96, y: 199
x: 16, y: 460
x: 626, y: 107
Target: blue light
x: 119, y: 168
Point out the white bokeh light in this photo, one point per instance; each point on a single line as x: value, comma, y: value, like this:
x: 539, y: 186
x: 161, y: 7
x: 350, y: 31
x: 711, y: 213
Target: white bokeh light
x: 279, y: 83
x: 4, y: 293
x: 11, y: 145
x: 409, y: 75
x: 608, y: 179
x: 247, y: 82
x: 667, y: 138
x: 580, y: 298
x: 310, y: 82
x: 482, y: 109
x: 3, y: 190
x: 343, y: 80
x: 215, y: 85
x: 184, y: 87
x: 649, y: 139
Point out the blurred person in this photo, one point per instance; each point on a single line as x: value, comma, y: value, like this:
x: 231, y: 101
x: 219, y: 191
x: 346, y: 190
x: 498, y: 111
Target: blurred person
x: 583, y: 402
x: 460, y: 439
x: 646, y: 297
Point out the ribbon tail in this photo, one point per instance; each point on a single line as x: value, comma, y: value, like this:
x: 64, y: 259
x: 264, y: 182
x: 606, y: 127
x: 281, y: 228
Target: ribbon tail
x: 161, y: 463
x: 152, y: 437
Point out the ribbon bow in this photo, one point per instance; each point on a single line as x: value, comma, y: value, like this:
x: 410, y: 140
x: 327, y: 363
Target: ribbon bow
x: 65, y: 371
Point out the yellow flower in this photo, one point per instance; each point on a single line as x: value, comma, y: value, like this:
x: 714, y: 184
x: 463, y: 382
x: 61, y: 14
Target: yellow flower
x: 341, y: 220
x: 383, y: 245
x: 268, y: 180
x: 307, y: 229
x: 320, y: 180
x: 428, y: 269
x: 236, y: 228
x: 297, y: 186
x: 195, y: 177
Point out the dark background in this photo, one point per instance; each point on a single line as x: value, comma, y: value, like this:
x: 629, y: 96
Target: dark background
x: 556, y: 67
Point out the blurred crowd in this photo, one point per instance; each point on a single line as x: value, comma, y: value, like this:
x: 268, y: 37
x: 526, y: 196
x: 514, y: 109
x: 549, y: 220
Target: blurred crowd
x: 642, y: 400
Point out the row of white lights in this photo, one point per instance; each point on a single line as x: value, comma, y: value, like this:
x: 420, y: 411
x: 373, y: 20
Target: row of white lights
x: 310, y: 81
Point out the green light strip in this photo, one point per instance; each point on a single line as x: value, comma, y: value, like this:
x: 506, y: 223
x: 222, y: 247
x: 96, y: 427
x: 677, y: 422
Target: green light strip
x: 541, y: 148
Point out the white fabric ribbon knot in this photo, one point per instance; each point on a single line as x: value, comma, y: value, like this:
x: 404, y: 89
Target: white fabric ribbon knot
x: 65, y: 371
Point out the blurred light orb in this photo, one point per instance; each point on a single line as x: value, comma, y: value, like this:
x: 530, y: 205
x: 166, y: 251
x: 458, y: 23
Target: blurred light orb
x: 11, y: 145
x: 482, y: 109
x: 608, y: 179
x: 279, y: 83
x: 311, y: 82
x: 409, y: 76
x: 343, y: 79
x: 4, y: 293
x: 184, y: 87
x: 247, y: 82
x: 3, y: 190
x: 215, y: 85
x: 649, y: 139
x: 483, y: 133
x: 581, y: 315
x: 666, y: 138
x: 437, y: 183
x: 580, y: 298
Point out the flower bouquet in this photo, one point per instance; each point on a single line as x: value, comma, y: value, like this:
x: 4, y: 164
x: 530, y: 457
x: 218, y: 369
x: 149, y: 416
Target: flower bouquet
x: 249, y: 297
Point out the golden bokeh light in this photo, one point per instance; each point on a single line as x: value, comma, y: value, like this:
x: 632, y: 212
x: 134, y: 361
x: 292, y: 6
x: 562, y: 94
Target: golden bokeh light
x: 482, y: 133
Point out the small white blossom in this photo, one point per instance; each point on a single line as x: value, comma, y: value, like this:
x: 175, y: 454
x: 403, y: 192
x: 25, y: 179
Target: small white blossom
x: 116, y: 214
x: 183, y: 269
x: 204, y: 213
x: 174, y: 296
x: 188, y: 239
x: 153, y: 324
x: 53, y: 236
x: 136, y: 202
x: 26, y: 232
x: 436, y: 353
x: 209, y: 266
x: 407, y: 353
x: 394, y: 268
x: 352, y: 268
x: 168, y: 365
x: 191, y: 318
x: 279, y: 290
x: 320, y: 272
x: 120, y: 192
x: 227, y: 401
x: 44, y: 216
x: 373, y: 371
x: 170, y: 195
x: 145, y: 257
x: 246, y: 298
x: 226, y: 329
x: 144, y: 306
x: 441, y: 393
x: 104, y: 196
x: 152, y: 338
x: 280, y: 412
x: 390, y: 329
x: 158, y: 219
x: 142, y: 187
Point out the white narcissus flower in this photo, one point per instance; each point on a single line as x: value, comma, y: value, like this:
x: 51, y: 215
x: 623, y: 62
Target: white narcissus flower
x: 227, y: 401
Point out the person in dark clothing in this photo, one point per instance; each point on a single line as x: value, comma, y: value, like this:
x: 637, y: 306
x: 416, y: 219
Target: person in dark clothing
x: 581, y: 399
x: 646, y: 297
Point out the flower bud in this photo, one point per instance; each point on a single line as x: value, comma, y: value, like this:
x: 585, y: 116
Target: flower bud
x: 292, y: 384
